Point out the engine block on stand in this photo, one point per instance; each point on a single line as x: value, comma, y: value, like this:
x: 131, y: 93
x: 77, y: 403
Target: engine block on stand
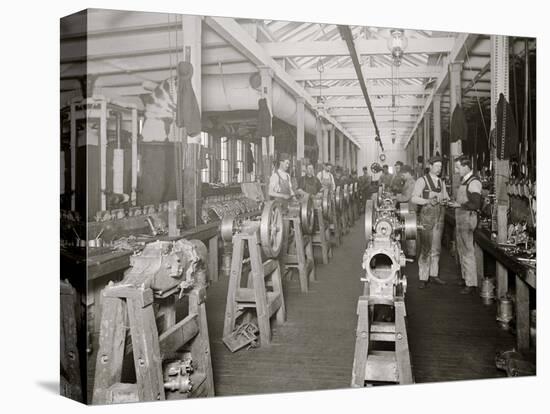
x: 381, y: 308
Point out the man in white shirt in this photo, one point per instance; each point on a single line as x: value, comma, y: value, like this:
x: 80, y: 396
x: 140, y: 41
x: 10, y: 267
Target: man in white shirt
x: 280, y: 184
x: 326, y: 178
x: 431, y: 196
x: 468, y: 203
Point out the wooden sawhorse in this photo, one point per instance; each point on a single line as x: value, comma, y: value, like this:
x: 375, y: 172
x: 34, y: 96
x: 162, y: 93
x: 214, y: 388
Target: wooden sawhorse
x: 321, y: 236
x: 256, y: 296
x: 300, y: 255
x: 370, y: 365
x: 131, y: 307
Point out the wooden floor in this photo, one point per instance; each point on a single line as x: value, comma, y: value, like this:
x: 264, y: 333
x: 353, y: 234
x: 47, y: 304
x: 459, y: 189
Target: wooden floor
x: 451, y: 336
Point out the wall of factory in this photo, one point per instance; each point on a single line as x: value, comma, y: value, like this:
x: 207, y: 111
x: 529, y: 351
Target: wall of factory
x: 370, y: 152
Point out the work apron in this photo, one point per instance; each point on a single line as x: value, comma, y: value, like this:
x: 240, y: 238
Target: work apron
x: 284, y: 188
x: 431, y: 217
x: 466, y: 223
x: 326, y: 181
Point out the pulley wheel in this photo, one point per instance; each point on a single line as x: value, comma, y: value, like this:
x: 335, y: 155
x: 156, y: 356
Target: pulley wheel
x: 346, y: 194
x: 226, y: 228
x: 307, y: 214
x: 409, y: 221
x: 339, y: 199
x: 369, y: 219
x: 271, y: 229
x: 375, y: 168
x: 403, y: 209
x: 326, y: 204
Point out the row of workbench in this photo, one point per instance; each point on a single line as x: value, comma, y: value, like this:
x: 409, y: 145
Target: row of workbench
x: 507, y: 267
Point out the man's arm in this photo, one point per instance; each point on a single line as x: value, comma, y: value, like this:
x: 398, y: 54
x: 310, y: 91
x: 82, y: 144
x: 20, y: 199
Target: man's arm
x: 474, y: 196
x: 406, y: 194
x: 273, y: 185
x: 417, y: 193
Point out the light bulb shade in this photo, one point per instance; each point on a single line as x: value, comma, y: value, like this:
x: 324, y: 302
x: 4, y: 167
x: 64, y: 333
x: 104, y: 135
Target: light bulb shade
x: 397, y: 44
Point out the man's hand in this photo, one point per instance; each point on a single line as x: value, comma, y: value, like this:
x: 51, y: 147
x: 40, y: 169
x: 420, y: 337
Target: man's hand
x: 453, y: 204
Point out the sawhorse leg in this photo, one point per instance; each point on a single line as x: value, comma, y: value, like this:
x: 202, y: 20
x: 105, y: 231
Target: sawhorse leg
x: 362, y: 342
x: 402, y: 355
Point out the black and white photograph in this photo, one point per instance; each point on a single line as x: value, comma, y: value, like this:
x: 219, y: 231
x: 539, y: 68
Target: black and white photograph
x: 256, y: 206
x: 274, y: 207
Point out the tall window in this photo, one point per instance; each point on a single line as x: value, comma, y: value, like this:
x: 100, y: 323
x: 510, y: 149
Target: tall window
x: 240, y: 160
x: 224, y: 162
x: 205, y: 172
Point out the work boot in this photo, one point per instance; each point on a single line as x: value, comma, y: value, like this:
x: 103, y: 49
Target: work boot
x: 467, y: 290
x: 437, y: 280
x: 422, y: 285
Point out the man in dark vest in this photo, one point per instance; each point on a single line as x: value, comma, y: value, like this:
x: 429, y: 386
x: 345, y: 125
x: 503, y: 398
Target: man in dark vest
x: 309, y: 183
x: 431, y: 196
x: 468, y: 203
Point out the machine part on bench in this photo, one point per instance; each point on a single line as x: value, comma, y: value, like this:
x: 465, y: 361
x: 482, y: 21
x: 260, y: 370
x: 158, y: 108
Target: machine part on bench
x: 271, y: 229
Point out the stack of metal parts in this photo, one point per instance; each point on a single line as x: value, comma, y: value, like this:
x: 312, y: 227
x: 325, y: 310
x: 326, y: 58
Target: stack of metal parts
x: 215, y: 210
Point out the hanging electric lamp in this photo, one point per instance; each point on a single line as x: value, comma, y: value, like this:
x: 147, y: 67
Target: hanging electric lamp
x: 397, y: 44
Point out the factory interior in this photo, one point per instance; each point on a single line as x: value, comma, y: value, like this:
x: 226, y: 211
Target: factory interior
x: 264, y: 206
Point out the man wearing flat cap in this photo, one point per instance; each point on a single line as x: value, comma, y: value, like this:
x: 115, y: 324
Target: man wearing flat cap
x: 397, y: 181
x: 431, y: 196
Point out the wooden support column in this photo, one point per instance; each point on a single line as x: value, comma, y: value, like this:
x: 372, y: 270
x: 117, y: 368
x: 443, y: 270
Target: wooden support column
x: 103, y: 154
x: 341, y: 150
x: 133, y: 196
x: 427, y: 136
x: 437, y: 123
x: 348, y: 154
x: 420, y: 138
x: 325, y: 142
x: 268, y: 143
x: 192, y: 32
x: 300, y: 129
x: 500, y: 84
x: 319, y: 136
x: 332, y: 133
x: 455, y: 89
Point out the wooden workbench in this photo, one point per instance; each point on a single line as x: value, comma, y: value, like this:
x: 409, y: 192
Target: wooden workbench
x: 525, y: 278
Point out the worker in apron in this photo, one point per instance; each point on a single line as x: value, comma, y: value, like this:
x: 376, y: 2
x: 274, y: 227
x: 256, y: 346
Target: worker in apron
x: 468, y: 203
x: 326, y: 178
x: 280, y: 184
x: 309, y: 183
x: 431, y: 196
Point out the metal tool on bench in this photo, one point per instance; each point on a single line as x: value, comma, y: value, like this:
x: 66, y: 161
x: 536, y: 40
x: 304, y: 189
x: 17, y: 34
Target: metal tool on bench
x: 159, y: 274
x: 384, y: 290
x: 264, y: 238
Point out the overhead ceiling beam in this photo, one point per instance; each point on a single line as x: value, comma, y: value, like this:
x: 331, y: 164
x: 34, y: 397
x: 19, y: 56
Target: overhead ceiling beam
x: 373, y: 90
x: 235, y: 35
x: 463, y: 42
x: 363, y: 47
x: 379, y: 111
x: 347, y: 35
x: 375, y: 102
x: 368, y: 73
x: 477, y: 78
